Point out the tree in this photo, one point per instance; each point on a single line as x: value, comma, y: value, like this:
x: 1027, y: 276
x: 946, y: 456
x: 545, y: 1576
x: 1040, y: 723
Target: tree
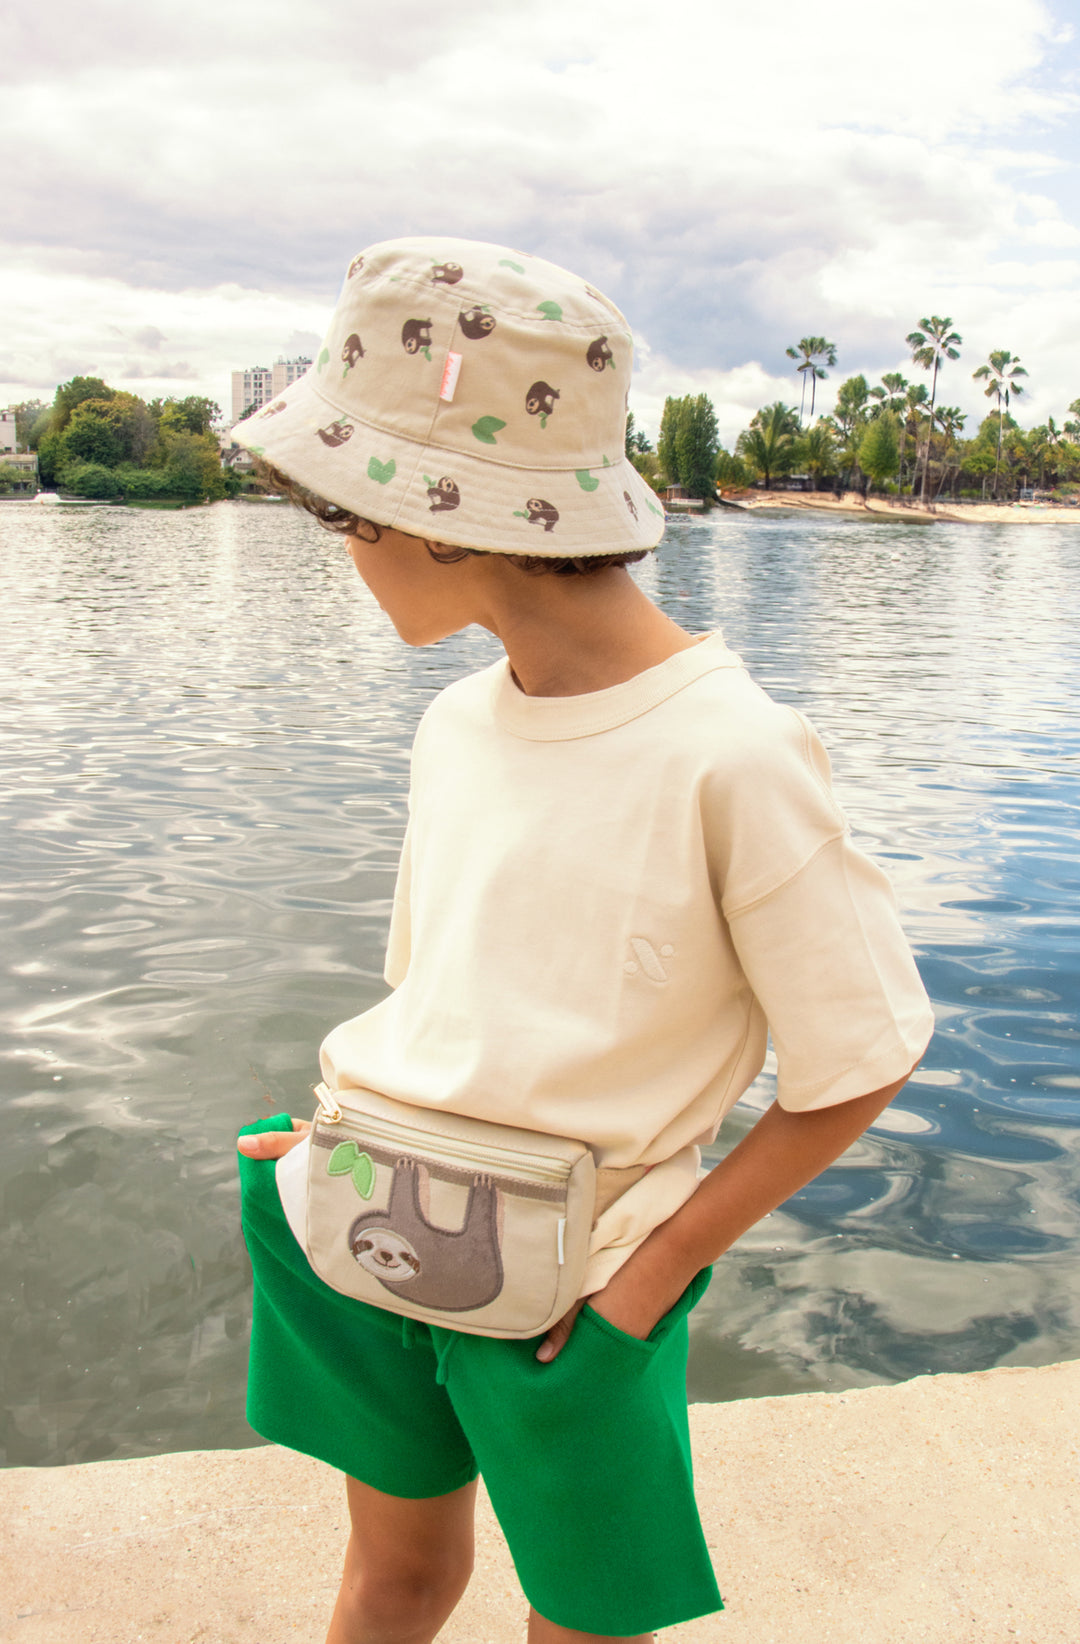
x: 915, y: 406
x: 71, y: 394
x: 731, y: 471
x: 665, y: 445
x: 929, y: 346
x: 195, y: 413
x: 1001, y: 373
x: 768, y: 445
x: 636, y: 438
x: 697, y: 441
x: 27, y: 414
x: 809, y: 350
x: 879, y: 448
x: 890, y: 395
x: 816, y: 452
x: 950, y: 419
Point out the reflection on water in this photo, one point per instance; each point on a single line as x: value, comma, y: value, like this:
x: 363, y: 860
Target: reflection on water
x: 205, y: 757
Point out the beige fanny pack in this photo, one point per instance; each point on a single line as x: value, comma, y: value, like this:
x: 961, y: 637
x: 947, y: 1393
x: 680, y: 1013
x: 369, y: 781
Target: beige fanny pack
x: 476, y: 1226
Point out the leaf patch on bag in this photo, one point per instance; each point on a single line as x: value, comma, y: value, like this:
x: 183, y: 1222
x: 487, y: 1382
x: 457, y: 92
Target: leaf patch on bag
x: 348, y: 1160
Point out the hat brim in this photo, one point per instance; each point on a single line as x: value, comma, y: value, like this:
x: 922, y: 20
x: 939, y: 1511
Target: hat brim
x: 452, y: 496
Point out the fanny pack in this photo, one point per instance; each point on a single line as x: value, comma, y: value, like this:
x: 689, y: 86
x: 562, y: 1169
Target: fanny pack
x: 476, y: 1226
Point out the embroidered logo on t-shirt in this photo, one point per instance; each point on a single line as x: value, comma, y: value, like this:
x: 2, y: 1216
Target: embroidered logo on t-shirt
x: 647, y: 960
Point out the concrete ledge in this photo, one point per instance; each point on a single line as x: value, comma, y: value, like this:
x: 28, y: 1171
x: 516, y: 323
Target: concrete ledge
x: 942, y: 1511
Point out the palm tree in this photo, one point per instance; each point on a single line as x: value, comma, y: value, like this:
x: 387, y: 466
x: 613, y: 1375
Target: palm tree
x: 929, y: 346
x: 916, y: 402
x: 950, y: 419
x: 810, y: 350
x: 769, y: 443
x: 817, y: 450
x: 890, y: 394
x: 1002, y: 370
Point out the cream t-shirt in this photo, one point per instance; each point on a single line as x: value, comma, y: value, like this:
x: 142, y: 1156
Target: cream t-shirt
x: 605, y: 903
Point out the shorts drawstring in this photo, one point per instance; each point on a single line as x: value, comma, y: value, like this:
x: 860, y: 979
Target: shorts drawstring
x: 410, y: 1336
x: 443, y: 1351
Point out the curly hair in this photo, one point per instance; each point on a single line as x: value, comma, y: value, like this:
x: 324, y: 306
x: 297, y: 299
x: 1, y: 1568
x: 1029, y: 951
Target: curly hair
x: 349, y: 524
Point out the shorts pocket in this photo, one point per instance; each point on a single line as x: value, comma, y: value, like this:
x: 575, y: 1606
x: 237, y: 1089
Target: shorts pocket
x: 663, y: 1327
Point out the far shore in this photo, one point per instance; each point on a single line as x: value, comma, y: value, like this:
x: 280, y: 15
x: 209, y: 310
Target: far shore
x: 854, y: 504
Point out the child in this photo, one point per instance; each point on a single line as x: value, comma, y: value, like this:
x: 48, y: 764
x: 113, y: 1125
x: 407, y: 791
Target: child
x: 623, y: 865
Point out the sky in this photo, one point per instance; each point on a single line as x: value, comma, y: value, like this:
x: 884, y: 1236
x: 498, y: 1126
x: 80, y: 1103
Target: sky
x: 185, y: 183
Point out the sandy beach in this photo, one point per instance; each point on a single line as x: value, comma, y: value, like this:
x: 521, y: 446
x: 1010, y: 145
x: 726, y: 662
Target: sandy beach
x: 852, y: 503
x: 945, y: 1510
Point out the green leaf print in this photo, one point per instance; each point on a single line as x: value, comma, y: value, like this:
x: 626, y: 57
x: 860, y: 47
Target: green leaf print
x: 381, y: 472
x: 485, y: 429
x: 587, y: 481
x: 550, y: 310
x: 428, y: 481
x: 504, y: 262
x: 606, y: 463
x: 348, y: 1160
x: 323, y: 358
x: 653, y: 507
x: 519, y: 513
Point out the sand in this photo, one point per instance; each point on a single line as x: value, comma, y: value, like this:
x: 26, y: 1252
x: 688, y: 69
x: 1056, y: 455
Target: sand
x: 853, y: 503
x: 945, y: 1510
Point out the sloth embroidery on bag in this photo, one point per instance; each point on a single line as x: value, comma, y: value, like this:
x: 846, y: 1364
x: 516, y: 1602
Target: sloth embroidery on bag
x: 454, y: 1270
x: 446, y: 273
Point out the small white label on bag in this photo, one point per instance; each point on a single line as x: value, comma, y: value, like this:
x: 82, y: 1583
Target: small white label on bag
x: 562, y: 1232
x: 451, y: 372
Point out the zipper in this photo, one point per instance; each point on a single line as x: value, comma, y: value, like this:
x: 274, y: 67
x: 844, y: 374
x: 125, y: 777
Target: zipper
x: 498, y: 1160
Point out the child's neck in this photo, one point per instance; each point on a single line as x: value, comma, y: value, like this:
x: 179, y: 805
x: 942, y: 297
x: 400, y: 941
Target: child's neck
x: 566, y: 636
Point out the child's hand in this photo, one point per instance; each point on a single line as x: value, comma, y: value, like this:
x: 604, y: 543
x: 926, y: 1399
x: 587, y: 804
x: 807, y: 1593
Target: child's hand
x: 272, y: 1144
x: 632, y: 1307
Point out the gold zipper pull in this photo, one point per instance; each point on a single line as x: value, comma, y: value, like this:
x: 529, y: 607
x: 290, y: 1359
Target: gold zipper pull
x: 331, y: 1111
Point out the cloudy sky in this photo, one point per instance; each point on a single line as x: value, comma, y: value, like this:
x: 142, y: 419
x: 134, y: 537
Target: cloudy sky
x: 185, y: 183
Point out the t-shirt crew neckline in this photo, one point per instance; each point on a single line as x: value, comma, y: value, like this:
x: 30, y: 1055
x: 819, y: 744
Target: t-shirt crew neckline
x: 559, y: 718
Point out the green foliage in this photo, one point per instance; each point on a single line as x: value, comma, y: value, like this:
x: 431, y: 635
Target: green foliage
x: 809, y: 350
x: 815, y: 452
x: 88, y: 479
x: 850, y: 410
x: 27, y: 413
x: 71, y: 394
x: 192, y: 467
x: 731, y: 471
x: 10, y: 477
x: 697, y: 442
x: 636, y: 438
x: 194, y: 414
x: 768, y: 446
x: 665, y: 445
x: 647, y: 464
x: 879, y: 448
x: 688, y: 443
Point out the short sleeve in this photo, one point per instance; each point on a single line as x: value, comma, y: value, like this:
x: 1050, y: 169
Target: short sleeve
x: 830, y: 966
x: 813, y: 921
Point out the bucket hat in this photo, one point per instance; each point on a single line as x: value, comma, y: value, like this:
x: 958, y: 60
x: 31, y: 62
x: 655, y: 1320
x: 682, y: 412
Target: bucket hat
x: 470, y: 394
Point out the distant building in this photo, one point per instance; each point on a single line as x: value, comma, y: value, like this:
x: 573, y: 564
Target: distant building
x: 257, y: 386
x: 7, y: 431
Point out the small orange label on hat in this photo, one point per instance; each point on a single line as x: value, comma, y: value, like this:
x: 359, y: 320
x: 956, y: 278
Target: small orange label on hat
x: 451, y: 372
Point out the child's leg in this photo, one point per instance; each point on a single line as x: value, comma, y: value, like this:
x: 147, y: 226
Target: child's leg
x: 546, y: 1632
x: 406, y: 1565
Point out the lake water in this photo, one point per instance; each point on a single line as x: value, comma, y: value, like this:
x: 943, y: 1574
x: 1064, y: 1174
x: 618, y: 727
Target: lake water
x: 204, y: 749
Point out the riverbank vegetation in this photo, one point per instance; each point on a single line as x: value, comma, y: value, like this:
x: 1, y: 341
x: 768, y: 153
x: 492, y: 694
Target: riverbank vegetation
x: 101, y: 442
x: 892, y: 437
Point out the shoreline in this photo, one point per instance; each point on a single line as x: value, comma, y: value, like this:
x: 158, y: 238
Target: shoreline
x: 854, y: 506
x: 936, y: 1511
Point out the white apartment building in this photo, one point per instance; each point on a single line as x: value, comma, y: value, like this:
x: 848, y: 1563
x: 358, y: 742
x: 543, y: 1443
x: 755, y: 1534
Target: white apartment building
x: 257, y: 386
x: 7, y: 431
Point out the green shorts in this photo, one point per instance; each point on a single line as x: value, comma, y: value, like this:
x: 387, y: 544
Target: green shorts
x: 586, y: 1460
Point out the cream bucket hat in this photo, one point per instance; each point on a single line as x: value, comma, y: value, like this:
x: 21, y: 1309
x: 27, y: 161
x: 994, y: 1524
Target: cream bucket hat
x: 473, y: 395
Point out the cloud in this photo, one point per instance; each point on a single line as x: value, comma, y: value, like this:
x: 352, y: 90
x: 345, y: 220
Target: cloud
x: 731, y: 193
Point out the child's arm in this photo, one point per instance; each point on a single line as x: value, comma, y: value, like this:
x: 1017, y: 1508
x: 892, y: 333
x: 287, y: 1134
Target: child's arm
x: 779, y: 1155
